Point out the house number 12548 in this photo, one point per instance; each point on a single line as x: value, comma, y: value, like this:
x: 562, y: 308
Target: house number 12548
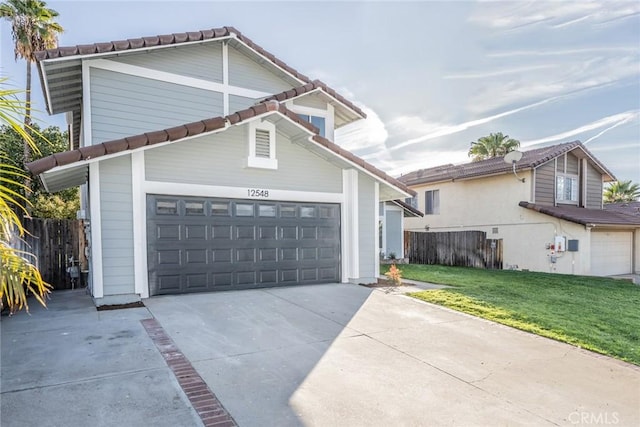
x: 255, y: 192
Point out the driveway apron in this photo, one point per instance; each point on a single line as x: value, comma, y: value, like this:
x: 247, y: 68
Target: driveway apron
x: 346, y: 355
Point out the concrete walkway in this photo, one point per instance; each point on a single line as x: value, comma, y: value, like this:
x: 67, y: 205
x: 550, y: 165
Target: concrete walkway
x: 70, y: 365
x: 314, y: 355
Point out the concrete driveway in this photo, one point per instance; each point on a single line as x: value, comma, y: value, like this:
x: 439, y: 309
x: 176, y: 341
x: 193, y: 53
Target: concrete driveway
x: 319, y: 355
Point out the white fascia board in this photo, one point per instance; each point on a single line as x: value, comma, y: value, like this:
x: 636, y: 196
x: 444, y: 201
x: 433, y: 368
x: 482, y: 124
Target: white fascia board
x: 47, y: 93
x: 267, y: 60
x: 125, y: 51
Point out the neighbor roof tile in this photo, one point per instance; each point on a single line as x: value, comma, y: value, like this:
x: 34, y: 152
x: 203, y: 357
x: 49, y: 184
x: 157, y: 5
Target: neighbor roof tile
x: 585, y: 216
x: 530, y: 159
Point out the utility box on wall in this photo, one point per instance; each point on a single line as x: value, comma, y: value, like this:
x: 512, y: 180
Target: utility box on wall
x: 572, y: 245
x: 560, y: 244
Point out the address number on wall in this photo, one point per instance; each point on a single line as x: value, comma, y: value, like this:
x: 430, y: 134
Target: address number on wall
x: 257, y: 192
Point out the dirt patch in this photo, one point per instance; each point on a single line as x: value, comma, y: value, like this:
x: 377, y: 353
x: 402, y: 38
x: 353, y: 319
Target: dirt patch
x: 120, y: 306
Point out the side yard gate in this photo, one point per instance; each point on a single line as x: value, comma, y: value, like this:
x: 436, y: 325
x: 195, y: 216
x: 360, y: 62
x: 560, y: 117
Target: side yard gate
x: 456, y: 248
x: 56, y: 244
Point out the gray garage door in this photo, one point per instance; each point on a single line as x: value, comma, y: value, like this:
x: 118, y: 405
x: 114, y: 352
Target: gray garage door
x: 207, y: 244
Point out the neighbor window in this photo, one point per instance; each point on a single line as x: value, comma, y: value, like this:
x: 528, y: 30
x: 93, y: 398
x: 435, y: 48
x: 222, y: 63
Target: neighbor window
x: 432, y: 202
x: 262, y: 145
x: 567, y: 189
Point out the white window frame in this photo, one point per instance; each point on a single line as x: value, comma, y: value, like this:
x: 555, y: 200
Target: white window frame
x: 262, y: 162
x: 327, y: 115
x: 435, y: 209
x: 575, y: 190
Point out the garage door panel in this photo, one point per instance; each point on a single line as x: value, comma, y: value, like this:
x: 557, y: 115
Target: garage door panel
x: 611, y: 252
x: 200, y: 244
x: 195, y: 232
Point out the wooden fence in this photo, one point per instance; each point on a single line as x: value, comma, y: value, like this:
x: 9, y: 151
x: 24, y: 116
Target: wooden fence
x: 53, y: 242
x: 459, y: 248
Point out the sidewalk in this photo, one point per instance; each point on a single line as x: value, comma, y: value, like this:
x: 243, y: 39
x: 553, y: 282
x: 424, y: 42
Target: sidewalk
x: 70, y: 365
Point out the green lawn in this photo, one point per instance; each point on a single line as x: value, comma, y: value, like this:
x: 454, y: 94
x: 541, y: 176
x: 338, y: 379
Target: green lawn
x: 598, y: 314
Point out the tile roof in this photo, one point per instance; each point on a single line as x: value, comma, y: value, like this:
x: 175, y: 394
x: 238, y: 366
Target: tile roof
x: 407, y: 207
x: 316, y: 84
x: 629, y: 208
x: 585, y: 216
x: 530, y: 159
x: 163, y: 40
x: 176, y: 133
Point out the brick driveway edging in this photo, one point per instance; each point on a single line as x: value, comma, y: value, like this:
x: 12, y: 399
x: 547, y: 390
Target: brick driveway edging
x: 204, y: 401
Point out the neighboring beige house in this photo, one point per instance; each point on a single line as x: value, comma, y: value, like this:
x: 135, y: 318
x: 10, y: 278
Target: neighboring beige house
x: 550, y: 216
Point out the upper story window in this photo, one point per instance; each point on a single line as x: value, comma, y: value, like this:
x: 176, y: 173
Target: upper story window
x: 432, y: 202
x: 567, y: 188
x: 319, y: 122
x: 262, y: 145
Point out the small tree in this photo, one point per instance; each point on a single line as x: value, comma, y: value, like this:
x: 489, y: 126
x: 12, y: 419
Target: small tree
x: 61, y: 205
x: 18, y: 274
x: 621, y: 191
x: 493, y: 145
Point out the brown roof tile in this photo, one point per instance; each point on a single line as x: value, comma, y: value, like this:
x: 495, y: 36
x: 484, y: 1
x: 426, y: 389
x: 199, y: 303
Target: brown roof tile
x: 190, y: 129
x: 136, y: 141
x: 166, y: 39
x: 585, y: 216
x: 530, y: 159
x: 316, y: 84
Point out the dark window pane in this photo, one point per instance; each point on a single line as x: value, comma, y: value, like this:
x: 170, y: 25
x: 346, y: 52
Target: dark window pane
x: 167, y: 207
x: 194, y: 208
x: 244, y: 209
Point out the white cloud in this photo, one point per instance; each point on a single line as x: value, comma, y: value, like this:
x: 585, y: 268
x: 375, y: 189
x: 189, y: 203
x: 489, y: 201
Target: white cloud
x: 433, y: 130
x: 369, y: 133
x: 500, y: 72
x: 611, y: 122
x: 509, y: 16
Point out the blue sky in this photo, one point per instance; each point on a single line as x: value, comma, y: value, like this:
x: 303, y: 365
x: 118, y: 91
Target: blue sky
x: 432, y: 76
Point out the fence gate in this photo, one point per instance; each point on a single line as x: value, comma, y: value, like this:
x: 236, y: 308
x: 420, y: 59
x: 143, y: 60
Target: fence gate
x: 53, y: 242
x: 456, y: 248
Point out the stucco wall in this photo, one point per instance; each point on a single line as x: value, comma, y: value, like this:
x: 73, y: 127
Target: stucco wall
x: 491, y: 204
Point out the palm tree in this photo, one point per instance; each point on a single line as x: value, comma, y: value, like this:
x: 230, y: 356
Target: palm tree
x: 622, y: 191
x: 493, y: 145
x: 33, y: 28
x: 18, y: 274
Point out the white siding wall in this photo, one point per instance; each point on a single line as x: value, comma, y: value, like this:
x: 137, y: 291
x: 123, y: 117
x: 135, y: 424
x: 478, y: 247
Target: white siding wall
x: 221, y: 159
x: 117, y: 226
x: 123, y: 105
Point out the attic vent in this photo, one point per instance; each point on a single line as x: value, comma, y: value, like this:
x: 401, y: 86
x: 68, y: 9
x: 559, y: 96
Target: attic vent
x: 263, y: 143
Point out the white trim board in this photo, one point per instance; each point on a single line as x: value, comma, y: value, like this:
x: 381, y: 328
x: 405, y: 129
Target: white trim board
x: 96, y: 231
x: 140, y: 266
x: 148, y: 73
x: 198, y: 190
